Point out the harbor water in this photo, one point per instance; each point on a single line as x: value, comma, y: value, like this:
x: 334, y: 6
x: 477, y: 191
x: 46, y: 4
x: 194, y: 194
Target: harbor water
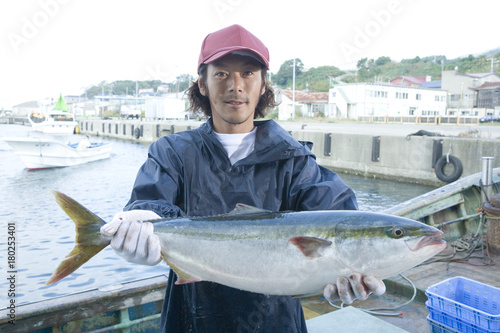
x: 44, y: 234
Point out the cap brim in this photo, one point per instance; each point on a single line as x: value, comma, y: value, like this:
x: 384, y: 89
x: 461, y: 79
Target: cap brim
x: 222, y: 52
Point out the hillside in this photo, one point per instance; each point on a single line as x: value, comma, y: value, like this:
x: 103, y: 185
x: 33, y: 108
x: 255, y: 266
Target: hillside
x: 382, y: 69
x: 320, y: 79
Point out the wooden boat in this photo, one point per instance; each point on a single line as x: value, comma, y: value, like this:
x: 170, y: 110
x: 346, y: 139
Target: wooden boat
x: 128, y: 307
x: 136, y: 306
x: 452, y: 208
x: 457, y: 210
x: 56, y: 121
x: 42, y: 153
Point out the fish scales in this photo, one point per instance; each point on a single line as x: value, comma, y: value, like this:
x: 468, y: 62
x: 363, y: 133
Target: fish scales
x: 278, y: 253
x: 251, y: 254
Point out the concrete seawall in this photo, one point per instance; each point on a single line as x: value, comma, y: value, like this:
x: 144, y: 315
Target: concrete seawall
x: 397, y: 157
x: 385, y: 153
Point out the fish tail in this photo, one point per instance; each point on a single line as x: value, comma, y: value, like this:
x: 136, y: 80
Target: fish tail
x: 88, y: 240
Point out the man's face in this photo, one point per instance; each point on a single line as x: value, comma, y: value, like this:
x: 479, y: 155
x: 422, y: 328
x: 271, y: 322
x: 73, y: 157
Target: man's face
x: 233, y: 86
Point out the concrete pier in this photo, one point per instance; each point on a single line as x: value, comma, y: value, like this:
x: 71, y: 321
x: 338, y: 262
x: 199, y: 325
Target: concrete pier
x: 407, y: 159
x: 384, y: 151
x: 380, y: 151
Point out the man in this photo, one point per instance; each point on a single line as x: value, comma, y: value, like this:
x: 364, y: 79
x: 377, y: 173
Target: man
x: 230, y: 159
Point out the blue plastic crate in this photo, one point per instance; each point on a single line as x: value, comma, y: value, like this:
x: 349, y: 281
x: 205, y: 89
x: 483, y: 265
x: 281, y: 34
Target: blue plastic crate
x: 467, y: 300
x: 453, y: 323
x: 438, y: 327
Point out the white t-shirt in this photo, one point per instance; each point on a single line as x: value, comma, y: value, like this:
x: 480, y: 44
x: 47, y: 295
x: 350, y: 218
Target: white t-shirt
x: 238, y: 146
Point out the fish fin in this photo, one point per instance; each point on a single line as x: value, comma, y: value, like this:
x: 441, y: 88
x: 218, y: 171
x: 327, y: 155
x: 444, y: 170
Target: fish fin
x: 185, y: 281
x: 310, y: 245
x: 242, y: 209
x: 182, y: 277
x: 88, y: 240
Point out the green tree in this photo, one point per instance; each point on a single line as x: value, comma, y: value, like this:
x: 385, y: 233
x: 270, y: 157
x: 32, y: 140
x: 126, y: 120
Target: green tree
x: 121, y: 87
x: 381, y: 61
x: 318, y: 78
x: 284, y: 77
x: 362, y: 63
x: 182, y: 82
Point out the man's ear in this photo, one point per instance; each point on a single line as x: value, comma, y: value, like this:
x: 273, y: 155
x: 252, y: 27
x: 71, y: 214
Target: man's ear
x: 201, y: 86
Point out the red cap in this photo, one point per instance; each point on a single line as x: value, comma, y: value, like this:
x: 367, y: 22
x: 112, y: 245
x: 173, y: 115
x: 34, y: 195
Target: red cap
x: 231, y: 39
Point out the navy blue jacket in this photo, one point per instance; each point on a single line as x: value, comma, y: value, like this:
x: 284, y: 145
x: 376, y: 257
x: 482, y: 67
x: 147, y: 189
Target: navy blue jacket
x: 189, y: 174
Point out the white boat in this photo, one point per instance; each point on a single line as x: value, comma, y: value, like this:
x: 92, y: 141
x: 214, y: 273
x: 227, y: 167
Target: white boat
x: 56, y: 121
x: 41, y: 153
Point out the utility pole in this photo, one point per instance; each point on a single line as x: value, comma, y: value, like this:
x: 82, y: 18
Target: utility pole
x: 493, y: 60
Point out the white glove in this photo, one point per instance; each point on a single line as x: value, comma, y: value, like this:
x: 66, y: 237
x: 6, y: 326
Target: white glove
x: 133, y: 239
x: 356, y: 286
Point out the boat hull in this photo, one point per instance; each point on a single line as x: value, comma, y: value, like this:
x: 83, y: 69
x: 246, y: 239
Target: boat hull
x: 39, y: 153
x: 132, y: 306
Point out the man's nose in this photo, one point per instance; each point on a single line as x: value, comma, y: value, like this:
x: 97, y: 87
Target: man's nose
x: 235, y: 82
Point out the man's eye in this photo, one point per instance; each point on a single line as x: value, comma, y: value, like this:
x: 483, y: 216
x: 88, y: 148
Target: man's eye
x: 220, y: 74
x: 248, y: 73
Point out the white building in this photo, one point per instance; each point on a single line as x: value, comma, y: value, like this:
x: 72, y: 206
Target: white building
x: 165, y: 107
x: 24, y: 109
x: 307, y: 104
x: 381, y: 99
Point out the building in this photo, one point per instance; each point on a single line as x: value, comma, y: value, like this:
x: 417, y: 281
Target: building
x: 382, y: 99
x: 307, y: 104
x: 410, y: 81
x: 172, y: 106
x: 24, y: 109
x: 84, y: 108
x: 488, y: 96
x: 431, y: 84
x: 462, y: 91
x: 70, y: 99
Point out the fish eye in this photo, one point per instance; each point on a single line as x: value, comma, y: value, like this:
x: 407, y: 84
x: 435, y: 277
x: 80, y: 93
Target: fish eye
x: 398, y: 232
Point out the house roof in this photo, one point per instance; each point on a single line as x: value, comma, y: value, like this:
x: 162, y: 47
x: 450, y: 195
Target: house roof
x: 488, y: 85
x: 413, y: 79
x: 31, y: 104
x: 431, y: 84
x: 303, y: 96
x: 478, y: 75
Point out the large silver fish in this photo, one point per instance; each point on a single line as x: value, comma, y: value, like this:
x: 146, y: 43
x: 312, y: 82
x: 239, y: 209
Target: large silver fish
x: 284, y: 253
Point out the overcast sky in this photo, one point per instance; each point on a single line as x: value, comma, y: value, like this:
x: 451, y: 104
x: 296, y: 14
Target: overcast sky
x: 63, y: 46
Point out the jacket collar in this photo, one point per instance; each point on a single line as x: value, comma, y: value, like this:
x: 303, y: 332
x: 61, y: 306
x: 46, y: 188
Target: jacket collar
x: 272, y: 142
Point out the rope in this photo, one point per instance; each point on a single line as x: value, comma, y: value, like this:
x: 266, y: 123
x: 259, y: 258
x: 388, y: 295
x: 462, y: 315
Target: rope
x: 374, y: 311
x: 468, y: 244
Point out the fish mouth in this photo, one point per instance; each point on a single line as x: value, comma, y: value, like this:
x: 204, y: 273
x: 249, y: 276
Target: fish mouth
x: 434, y: 239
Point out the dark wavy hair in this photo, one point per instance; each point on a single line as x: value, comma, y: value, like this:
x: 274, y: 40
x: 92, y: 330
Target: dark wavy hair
x: 199, y: 102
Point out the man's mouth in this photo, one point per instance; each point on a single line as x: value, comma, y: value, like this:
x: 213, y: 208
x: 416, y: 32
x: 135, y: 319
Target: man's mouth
x: 234, y: 102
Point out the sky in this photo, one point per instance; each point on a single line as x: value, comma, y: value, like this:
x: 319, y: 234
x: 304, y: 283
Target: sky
x: 52, y: 47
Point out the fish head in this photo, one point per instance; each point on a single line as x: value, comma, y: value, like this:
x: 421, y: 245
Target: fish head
x: 385, y: 245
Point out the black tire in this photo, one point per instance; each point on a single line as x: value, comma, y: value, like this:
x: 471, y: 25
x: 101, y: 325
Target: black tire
x: 137, y: 133
x: 442, y: 163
